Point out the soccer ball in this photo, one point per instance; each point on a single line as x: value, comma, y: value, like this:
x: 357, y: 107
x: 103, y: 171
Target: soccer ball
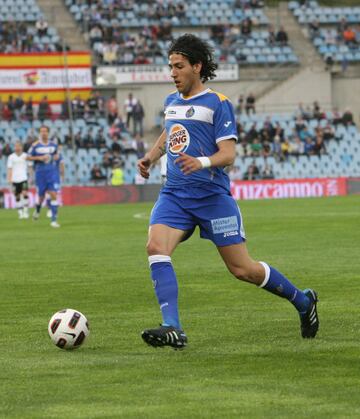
x: 68, y: 329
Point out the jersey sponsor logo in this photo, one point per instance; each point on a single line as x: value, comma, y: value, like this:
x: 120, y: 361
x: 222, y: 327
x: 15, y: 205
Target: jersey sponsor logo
x: 225, y: 225
x: 227, y: 124
x: 179, y: 139
x: 190, y: 112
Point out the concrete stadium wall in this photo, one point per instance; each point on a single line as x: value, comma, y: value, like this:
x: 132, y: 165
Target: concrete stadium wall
x: 305, y: 86
x: 346, y: 94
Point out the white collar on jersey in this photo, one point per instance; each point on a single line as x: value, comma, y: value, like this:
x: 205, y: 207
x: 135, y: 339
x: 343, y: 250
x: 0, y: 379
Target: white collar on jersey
x: 193, y: 97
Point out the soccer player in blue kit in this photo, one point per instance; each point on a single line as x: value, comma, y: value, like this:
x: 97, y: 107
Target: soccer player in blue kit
x: 44, y: 154
x: 199, y: 140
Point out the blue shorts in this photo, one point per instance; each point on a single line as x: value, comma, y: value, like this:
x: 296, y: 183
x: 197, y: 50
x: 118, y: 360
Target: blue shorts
x: 218, y: 217
x: 46, y: 182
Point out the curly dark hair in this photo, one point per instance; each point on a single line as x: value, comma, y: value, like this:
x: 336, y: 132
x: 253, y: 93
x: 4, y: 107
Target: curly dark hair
x: 196, y: 51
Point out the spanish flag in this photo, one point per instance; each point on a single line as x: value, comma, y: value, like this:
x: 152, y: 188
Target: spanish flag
x: 37, y: 75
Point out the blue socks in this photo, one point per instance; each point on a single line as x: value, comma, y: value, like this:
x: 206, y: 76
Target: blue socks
x: 276, y: 283
x: 166, y: 288
x: 54, y: 210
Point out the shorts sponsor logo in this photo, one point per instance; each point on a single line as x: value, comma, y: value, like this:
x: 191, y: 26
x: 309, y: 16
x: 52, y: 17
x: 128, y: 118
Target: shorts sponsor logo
x: 179, y: 139
x: 231, y: 233
x: 225, y: 225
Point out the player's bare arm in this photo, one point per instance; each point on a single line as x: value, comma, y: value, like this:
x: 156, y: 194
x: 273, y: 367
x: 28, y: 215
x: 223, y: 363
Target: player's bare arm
x: 9, y: 175
x: 152, y: 156
x: 38, y: 158
x: 224, y: 157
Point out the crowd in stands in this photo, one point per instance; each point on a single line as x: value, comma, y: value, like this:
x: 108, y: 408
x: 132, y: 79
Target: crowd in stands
x: 339, y: 40
x: 22, y: 37
x: 272, y: 140
x: 114, y: 44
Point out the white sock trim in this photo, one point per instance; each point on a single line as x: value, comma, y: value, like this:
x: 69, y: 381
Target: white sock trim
x: 267, y: 274
x: 54, y: 203
x: 159, y: 258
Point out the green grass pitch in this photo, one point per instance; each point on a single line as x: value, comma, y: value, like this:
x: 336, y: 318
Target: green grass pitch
x: 245, y: 356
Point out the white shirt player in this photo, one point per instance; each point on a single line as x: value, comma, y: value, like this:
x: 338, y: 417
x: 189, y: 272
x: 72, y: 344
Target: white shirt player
x: 18, y: 164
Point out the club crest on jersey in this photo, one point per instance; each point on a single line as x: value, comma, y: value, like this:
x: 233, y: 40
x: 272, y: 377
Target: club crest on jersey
x: 179, y: 139
x: 190, y: 112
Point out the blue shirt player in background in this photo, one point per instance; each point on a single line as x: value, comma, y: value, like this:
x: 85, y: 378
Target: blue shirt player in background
x: 60, y: 173
x: 199, y: 140
x: 44, y: 154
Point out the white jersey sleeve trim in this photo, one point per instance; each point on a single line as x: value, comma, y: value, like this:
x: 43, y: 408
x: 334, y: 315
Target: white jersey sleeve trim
x: 227, y: 137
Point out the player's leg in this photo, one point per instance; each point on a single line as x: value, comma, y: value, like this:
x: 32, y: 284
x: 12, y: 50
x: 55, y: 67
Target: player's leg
x: 18, y: 201
x: 243, y: 267
x: 54, y: 209
x: 220, y: 221
x: 48, y: 205
x: 169, y: 225
x: 40, y: 183
x: 25, y: 200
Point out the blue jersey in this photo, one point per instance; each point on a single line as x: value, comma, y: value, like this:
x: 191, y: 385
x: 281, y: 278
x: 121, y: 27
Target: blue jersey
x: 41, y: 149
x: 195, y: 126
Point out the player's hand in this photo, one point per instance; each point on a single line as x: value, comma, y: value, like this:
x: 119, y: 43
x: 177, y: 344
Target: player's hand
x: 56, y: 157
x: 144, y: 167
x: 45, y: 158
x: 188, y: 164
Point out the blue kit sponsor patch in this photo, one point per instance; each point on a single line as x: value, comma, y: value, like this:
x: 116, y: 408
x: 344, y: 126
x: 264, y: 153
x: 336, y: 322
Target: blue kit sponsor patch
x: 225, y: 225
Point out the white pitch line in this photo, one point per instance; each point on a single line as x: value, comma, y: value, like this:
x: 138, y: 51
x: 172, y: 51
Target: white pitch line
x: 141, y: 215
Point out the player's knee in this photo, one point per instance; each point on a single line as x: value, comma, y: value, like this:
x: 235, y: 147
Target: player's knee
x: 153, y: 247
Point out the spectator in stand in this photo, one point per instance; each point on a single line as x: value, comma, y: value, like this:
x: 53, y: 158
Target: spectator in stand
x: 29, y: 110
x: 285, y: 148
x: 140, y: 146
x: 100, y: 140
x: 116, y: 147
x: 252, y: 172
x: 44, y: 110
x: 65, y: 109
x: 319, y: 146
x: 256, y: 148
x: 97, y: 174
x: 328, y: 132
x: 250, y: 104
x: 138, y: 116
x: 18, y: 107
x: 240, y: 104
x: 129, y: 104
x: 2, y: 106
x: 341, y: 27
x: 112, y: 109
x: 42, y: 27
x: 267, y: 172
x: 246, y: 27
x: 11, y: 108
x: 309, y: 146
x: 78, y: 107
x: 348, y: 117
x: 282, y: 37
x: 271, y: 35
x: 92, y: 105
x: 314, y: 29
x: 95, y: 35
x: 349, y: 37
x: 117, y: 174
x: 109, y: 53
x: 6, y: 150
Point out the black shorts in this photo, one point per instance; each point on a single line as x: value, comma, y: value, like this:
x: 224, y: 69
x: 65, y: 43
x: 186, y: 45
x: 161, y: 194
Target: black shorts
x: 20, y: 187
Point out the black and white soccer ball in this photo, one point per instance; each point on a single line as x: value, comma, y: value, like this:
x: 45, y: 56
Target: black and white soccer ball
x: 68, y: 329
